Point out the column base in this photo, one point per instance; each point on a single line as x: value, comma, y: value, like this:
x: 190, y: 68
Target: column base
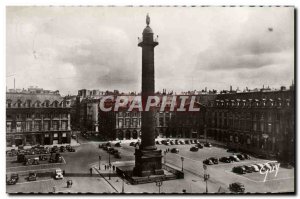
x: 147, y: 162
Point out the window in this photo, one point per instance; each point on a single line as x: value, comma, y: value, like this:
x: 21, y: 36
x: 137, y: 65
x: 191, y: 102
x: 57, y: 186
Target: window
x: 9, y: 104
x: 55, y: 135
x: 127, y: 123
x: 64, y: 125
x: 121, y: 123
x: 29, y: 126
x: 28, y: 115
x: 269, y: 127
x: 46, y: 125
x: 8, y: 126
x: 64, y: 135
x: 19, y: 127
x: 37, y: 125
x: 55, y: 125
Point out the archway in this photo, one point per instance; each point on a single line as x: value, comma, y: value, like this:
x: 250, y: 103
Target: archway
x: 120, y: 135
x: 134, y: 134
x: 127, y: 135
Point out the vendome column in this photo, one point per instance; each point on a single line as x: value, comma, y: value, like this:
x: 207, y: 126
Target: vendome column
x: 147, y: 157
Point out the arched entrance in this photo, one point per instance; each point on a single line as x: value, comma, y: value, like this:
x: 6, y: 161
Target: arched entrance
x: 134, y: 134
x: 127, y: 135
x: 120, y: 135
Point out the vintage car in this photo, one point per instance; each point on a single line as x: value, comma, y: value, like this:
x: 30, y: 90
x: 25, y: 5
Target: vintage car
x: 193, y: 148
x: 237, y: 187
x: 32, y: 176
x: 58, y: 174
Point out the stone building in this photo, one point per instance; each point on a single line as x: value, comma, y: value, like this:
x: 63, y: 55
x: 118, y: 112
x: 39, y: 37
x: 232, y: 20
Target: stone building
x: 261, y: 122
x: 37, y: 116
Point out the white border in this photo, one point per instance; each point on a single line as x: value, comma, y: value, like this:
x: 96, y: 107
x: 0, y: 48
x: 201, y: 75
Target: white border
x: 5, y: 3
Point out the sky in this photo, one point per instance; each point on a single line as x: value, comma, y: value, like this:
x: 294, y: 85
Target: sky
x: 71, y: 48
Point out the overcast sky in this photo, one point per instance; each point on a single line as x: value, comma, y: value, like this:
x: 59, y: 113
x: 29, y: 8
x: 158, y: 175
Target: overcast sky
x: 70, y: 48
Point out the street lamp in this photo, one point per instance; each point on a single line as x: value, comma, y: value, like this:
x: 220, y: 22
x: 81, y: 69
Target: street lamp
x: 123, y: 175
x: 206, y: 176
x: 182, y: 159
x: 158, y: 183
x: 99, y: 162
x: 109, y: 170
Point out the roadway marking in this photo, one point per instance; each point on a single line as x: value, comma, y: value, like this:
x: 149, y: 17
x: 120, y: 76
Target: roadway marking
x: 228, y: 171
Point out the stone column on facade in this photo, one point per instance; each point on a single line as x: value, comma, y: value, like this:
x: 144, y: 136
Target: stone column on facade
x: 69, y: 121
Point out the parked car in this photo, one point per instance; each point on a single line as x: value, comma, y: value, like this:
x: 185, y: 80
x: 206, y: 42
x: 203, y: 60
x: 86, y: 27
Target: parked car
x: 187, y: 142
x: 32, y: 176
x: 62, y: 149
x: 132, y: 144
x: 208, y: 162
x: 239, y: 170
x: 15, y: 176
x: 207, y: 144
x: 196, y: 141
x: 176, y: 142
x: 172, y: 142
x: 193, y: 148
x: 167, y: 143
x: 68, y: 147
x: 241, y: 157
x: 108, y: 144
x: 248, y: 169
x: 192, y: 142
x: 200, y: 146
x: 43, y: 157
x: 234, y: 158
x: 260, y: 166
x: 174, y: 150
x: 54, y: 149
x: 71, y: 149
x: 214, y: 160
x: 58, y: 174
x: 254, y: 168
x: 21, y: 158
x: 237, y: 187
x: 11, y: 182
x: 267, y: 166
x: 157, y: 142
x: 118, y: 144
x: 246, y: 156
x: 225, y: 159
x: 181, y: 142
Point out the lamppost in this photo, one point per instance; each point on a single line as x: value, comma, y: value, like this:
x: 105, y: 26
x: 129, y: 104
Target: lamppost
x: 99, y: 162
x: 159, y: 184
x: 123, y: 177
x: 182, y: 159
x: 109, y: 166
x: 206, y: 176
x: 165, y: 157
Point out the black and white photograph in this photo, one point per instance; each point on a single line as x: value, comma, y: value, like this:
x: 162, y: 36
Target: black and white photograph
x: 150, y: 100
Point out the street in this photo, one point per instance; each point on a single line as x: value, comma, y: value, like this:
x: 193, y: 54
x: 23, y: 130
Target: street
x: 78, y: 166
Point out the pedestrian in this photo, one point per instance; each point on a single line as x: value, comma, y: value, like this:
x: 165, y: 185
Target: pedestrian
x: 91, y: 171
x: 71, y: 183
x: 54, y: 189
x: 105, y: 167
x: 68, y: 184
x: 113, y: 167
x: 64, y: 172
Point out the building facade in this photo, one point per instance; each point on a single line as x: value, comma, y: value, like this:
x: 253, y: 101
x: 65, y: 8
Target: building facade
x: 256, y: 122
x: 37, y: 116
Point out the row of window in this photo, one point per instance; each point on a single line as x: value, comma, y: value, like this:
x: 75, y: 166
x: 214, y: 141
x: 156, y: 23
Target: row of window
x: 38, y: 104
x: 37, y: 115
x: 35, y: 126
x: 251, y: 103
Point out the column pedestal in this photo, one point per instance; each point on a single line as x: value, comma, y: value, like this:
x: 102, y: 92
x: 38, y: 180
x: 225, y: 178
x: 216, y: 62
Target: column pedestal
x: 147, y: 162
